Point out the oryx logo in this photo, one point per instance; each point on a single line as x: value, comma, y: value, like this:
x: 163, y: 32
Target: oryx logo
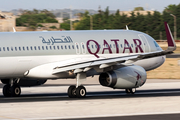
x: 138, y: 77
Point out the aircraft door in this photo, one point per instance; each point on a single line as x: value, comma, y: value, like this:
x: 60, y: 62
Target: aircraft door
x: 83, y: 48
x: 145, y: 43
x: 77, y: 47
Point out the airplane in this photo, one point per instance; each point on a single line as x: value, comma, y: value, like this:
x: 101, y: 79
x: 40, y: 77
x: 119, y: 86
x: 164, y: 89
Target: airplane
x: 120, y: 58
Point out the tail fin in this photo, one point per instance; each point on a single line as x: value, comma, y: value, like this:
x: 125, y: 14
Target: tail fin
x: 170, y: 39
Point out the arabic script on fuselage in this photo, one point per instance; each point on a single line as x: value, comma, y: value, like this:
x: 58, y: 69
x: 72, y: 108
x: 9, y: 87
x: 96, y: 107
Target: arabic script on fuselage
x: 52, y: 40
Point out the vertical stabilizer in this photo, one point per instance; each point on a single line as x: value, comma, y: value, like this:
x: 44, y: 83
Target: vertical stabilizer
x: 170, y: 39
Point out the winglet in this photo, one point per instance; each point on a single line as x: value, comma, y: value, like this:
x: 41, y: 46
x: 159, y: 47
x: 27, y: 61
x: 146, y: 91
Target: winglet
x: 170, y: 39
x: 14, y: 30
x: 127, y: 27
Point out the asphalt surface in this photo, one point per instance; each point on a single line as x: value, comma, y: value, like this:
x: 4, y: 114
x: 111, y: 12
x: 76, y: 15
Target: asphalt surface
x: 173, y: 56
x: 157, y: 100
x: 90, y: 96
x: 137, y: 117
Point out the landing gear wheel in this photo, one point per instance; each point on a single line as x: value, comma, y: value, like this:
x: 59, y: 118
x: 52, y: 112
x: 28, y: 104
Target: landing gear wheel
x: 131, y: 91
x: 72, y: 91
x: 81, y: 92
x: 6, y: 91
x: 15, y: 91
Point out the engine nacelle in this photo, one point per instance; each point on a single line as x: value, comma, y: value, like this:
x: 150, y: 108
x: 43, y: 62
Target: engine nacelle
x: 26, y: 82
x: 124, y: 78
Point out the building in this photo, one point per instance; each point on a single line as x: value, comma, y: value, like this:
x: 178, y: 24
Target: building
x: 7, y: 21
x: 128, y: 13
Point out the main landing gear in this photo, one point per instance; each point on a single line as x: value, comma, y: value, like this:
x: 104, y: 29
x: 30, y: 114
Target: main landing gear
x: 78, y: 90
x: 11, y: 89
x: 131, y: 91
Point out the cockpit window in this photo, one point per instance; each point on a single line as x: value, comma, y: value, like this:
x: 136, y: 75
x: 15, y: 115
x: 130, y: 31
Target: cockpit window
x: 155, y: 43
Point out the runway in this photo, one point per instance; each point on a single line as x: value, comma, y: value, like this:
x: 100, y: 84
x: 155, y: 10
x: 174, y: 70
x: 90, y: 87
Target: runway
x: 174, y: 55
x: 157, y: 99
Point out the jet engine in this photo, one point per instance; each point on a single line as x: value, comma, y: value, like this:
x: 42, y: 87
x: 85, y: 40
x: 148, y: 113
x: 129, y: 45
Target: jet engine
x: 124, y: 78
x: 26, y: 82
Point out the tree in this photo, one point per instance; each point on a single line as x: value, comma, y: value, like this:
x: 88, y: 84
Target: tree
x: 138, y: 9
x: 65, y: 26
x: 84, y: 23
x: 151, y: 24
x: 170, y: 8
x: 32, y: 18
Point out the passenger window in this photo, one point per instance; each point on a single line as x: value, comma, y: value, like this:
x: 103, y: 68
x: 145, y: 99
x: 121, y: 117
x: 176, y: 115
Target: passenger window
x: 132, y: 45
x: 11, y: 48
x: 23, y: 48
x: 95, y: 46
x: 65, y: 47
x: 92, y: 47
x: 46, y: 47
x: 114, y: 45
x: 27, y: 48
x: 31, y: 48
x: 110, y: 46
x: 54, y: 47
x: 0, y: 49
x: 135, y: 45
x: 34, y: 47
x: 50, y: 47
x: 61, y: 47
x: 42, y: 47
x: 69, y: 47
x: 7, y: 48
x: 19, y: 48
x: 126, y: 45
x: 121, y: 46
x: 16, y: 48
x: 72, y: 46
x: 4, y: 48
x: 39, y: 48
x: 58, y: 47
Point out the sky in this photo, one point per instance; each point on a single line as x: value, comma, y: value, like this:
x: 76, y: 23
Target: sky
x: 122, y: 5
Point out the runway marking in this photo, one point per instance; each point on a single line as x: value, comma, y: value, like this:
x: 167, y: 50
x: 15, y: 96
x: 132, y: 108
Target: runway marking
x: 98, y: 116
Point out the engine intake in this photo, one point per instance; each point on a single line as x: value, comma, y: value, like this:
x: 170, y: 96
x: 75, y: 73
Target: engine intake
x: 123, y: 78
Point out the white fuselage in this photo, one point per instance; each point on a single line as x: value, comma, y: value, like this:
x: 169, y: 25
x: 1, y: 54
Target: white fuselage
x: 22, y: 51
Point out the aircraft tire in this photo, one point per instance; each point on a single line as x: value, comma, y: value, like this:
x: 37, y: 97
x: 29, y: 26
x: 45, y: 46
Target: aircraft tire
x: 6, y: 91
x: 81, y: 92
x: 72, y: 91
x: 15, y: 91
x: 131, y: 91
